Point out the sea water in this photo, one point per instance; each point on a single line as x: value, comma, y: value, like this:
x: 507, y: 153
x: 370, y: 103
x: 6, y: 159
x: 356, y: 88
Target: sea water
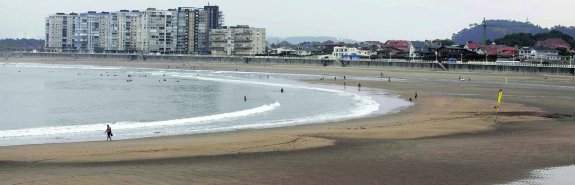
x: 44, y: 103
x: 550, y: 176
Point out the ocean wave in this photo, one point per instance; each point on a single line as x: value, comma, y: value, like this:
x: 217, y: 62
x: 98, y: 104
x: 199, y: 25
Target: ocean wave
x: 51, y: 66
x: 72, y: 129
x: 364, y: 105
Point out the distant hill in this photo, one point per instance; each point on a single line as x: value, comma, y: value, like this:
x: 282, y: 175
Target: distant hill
x: 300, y: 39
x: 496, y: 29
x: 565, y: 30
x: 527, y: 39
x: 20, y: 44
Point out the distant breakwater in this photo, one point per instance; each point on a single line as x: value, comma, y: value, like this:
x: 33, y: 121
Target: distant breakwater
x: 380, y: 63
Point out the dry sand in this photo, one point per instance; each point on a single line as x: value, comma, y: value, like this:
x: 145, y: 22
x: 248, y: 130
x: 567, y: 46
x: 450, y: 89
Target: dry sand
x: 450, y: 136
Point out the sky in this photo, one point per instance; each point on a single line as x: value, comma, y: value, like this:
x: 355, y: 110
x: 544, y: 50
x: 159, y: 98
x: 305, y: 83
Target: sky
x: 359, y: 19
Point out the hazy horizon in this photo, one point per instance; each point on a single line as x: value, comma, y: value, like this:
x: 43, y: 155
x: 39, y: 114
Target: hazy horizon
x: 364, y: 20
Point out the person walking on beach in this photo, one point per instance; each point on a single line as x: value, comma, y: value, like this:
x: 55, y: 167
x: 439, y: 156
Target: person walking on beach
x: 415, y: 95
x: 245, y: 98
x: 109, y: 133
x: 359, y: 86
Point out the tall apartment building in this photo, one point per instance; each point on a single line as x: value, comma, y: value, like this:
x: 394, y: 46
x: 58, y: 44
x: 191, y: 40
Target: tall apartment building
x: 185, y: 30
x: 210, y: 17
x: 121, y: 31
x: 238, y: 40
x: 187, y: 21
x: 194, y: 26
x: 60, y: 32
x: 87, y: 32
x: 157, y: 31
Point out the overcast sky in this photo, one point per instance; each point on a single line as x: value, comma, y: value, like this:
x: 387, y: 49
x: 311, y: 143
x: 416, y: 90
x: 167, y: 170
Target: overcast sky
x: 359, y: 19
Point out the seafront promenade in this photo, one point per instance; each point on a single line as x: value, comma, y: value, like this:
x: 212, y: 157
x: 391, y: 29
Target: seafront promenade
x: 521, y: 68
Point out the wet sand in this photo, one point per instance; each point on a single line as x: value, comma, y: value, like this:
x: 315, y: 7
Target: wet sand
x: 450, y: 136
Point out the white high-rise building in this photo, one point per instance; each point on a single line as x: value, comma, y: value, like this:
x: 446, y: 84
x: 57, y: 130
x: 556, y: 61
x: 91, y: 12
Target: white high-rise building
x: 238, y: 40
x: 185, y: 30
x: 60, y: 32
x: 157, y: 31
x: 87, y: 32
x: 121, y: 31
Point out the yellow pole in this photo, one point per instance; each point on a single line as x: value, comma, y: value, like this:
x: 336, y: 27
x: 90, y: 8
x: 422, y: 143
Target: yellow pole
x: 499, y: 97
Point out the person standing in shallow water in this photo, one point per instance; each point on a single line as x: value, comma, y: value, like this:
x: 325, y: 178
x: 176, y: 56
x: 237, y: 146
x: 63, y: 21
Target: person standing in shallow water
x: 109, y: 133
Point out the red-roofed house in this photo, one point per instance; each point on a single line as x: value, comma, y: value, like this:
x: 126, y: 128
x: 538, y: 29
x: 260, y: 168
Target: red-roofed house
x: 402, y: 45
x: 508, y: 52
x: 492, y: 49
x: 475, y: 47
x: 553, y: 43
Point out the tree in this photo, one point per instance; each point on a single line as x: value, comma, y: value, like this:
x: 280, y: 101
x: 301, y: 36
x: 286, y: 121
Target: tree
x: 563, y: 52
x: 519, y: 39
x: 556, y: 34
x: 447, y: 42
x: 527, y: 39
x: 21, y: 44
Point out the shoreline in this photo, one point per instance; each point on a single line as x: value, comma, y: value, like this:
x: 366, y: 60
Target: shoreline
x: 367, y: 95
x: 435, y: 117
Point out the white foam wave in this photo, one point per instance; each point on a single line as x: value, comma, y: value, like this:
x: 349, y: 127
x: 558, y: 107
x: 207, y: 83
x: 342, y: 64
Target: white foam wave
x: 40, y: 131
x: 364, y: 105
x: 51, y: 66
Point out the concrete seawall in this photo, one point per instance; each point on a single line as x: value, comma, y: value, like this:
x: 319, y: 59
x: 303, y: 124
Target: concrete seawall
x: 301, y: 61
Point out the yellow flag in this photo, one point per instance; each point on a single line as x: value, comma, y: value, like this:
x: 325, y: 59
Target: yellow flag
x: 499, y: 97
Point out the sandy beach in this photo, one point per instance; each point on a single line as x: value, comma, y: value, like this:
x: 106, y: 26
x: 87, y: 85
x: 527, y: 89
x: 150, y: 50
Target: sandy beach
x: 450, y: 136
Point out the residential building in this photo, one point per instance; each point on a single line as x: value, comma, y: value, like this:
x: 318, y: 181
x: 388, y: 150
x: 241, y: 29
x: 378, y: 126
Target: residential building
x: 329, y: 45
x: 371, y: 45
x: 508, y: 52
x: 449, y: 52
x: 491, y: 50
x: 391, y: 51
x: 238, y: 40
x: 121, y: 31
x: 397, y: 48
x: 344, y: 52
x: 209, y: 18
x: 307, y: 49
x: 475, y: 47
x: 421, y: 49
x: 525, y: 53
x: 60, y: 32
x: 187, y: 22
x: 184, y: 30
x: 402, y: 45
x: 283, y: 51
x: 544, y: 53
x: 157, y: 31
x: 87, y: 32
x: 438, y: 42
